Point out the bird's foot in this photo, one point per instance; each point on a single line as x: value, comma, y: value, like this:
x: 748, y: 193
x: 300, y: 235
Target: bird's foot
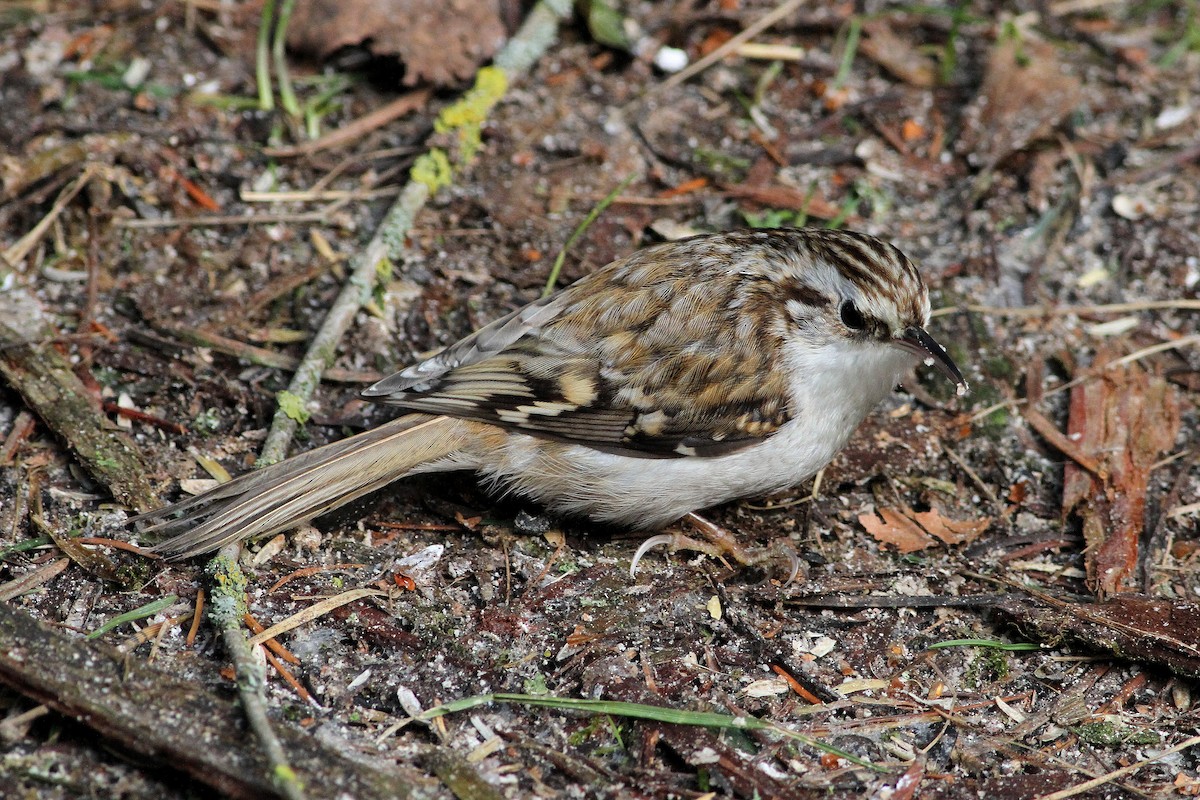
x: 717, y: 542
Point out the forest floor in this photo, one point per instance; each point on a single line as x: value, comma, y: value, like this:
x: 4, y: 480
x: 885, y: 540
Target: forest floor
x: 1000, y: 593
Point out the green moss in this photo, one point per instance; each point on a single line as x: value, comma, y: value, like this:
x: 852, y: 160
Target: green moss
x: 774, y: 218
x: 999, y: 367
x: 722, y: 163
x: 207, y: 421
x: 580, y: 736
x: 536, y: 685
x: 134, y: 575
x: 997, y: 664
x: 987, y: 665
x: 1109, y: 734
x: 994, y: 424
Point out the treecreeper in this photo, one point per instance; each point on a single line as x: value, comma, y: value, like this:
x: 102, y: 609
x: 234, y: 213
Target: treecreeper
x: 684, y: 375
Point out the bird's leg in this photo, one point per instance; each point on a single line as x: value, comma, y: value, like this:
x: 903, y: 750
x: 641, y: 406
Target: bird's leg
x: 717, y: 542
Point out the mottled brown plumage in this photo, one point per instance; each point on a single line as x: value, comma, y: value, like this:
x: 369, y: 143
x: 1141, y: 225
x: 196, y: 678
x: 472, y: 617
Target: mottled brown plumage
x: 741, y: 361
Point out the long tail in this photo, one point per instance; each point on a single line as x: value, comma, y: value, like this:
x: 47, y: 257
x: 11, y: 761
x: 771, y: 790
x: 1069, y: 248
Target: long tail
x: 297, y: 489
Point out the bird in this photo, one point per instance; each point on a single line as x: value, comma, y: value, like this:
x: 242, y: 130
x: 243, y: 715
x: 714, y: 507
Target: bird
x: 684, y: 375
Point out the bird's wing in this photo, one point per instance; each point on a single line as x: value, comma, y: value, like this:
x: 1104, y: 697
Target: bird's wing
x: 665, y: 368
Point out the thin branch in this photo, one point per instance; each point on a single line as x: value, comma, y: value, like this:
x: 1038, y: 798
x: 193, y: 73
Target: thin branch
x: 1062, y: 311
x: 1108, y: 777
x: 227, y: 609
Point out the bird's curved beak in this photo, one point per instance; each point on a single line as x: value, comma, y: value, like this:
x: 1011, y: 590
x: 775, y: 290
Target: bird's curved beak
x: 916, y: 341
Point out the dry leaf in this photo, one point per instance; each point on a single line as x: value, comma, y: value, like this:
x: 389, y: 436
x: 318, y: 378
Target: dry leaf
x: 897, y: 55
x: 909, y: 531
x: 1025, y: 94
x: 892, y: 527
x: 440, y: 41
x: 951, y: 531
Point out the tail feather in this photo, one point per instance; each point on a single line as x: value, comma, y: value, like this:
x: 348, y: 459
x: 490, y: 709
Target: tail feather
x: 297, y: 489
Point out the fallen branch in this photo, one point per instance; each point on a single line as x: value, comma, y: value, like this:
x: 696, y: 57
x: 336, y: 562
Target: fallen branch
x: 48, y: 384
x: 175, y: 722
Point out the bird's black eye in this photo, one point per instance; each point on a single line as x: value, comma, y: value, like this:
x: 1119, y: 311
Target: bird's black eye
x: 852, y: 318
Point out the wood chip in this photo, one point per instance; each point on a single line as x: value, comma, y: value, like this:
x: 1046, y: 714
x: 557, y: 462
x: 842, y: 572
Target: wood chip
x: 1123, y: 421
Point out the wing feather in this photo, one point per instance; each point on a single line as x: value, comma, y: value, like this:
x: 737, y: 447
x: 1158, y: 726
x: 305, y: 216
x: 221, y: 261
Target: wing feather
x: 649, y: 358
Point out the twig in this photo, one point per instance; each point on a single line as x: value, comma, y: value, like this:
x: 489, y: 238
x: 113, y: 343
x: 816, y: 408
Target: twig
x: 1136, y: 355
x: 386, y: 246
x: 1062, y: 311
x: 1173, y: 161
x: 12, y: 728
x: 231, y: 219
x: 226, y: 611
x: 142, y: 416
x: 50, y: 388
x: 154, y: 633
x: 973, y: 475
x: 1181, y: 511
x: 22, y: 247
x: 273, y: 645
x: 290, y: 679
x: 771, y: 52
x: 177, y: 723
x: 197, y: 616
x: 116, y: 544
x: 319, y: 196
x: 1108, y: 777
x: 1059, y: 440
x: 357, y: 128
x: 634, y: 200
x: 257, y: 355
x: 1154, y: 349
x: 304, y: 572
x: 21, y: 430
x: 32, y: 580
x: 313, y: 612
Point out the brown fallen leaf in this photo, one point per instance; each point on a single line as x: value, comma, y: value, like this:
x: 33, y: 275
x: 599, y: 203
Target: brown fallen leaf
x: 951, y: 531
x: 442, y: 42
x: 1025, y: 94
x: 909, y: 531
x: 1125, y: 420
x: 897, y: 55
